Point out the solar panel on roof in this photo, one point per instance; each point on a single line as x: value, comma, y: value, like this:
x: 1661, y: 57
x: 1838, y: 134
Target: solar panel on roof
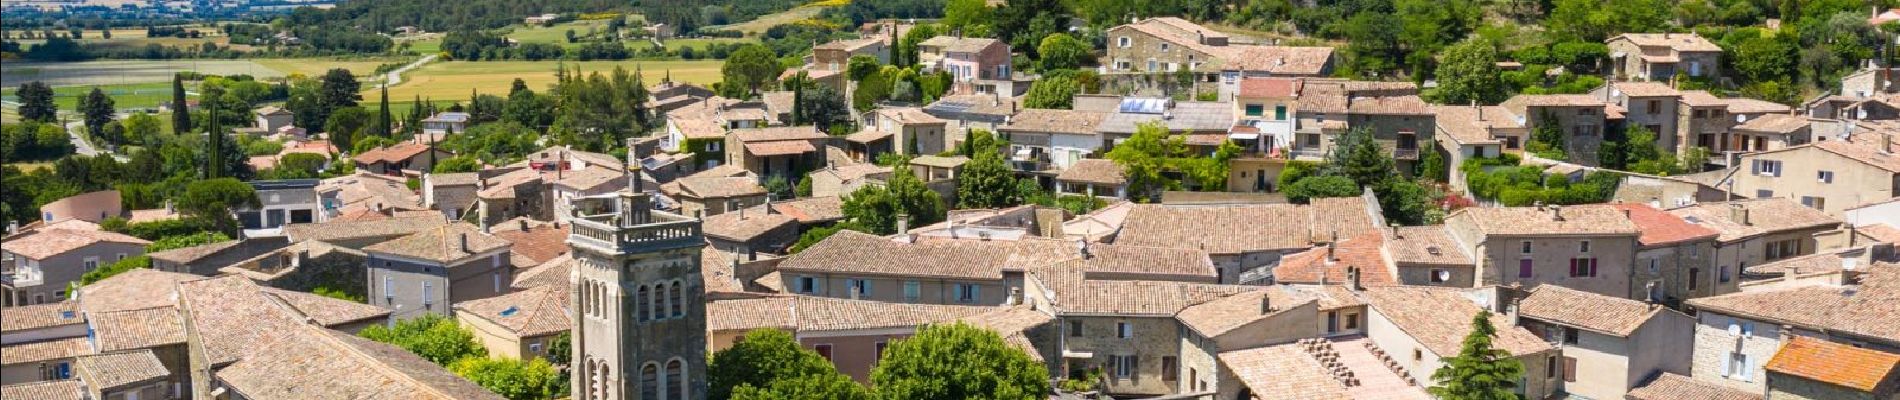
x: 951, y: 106
x: 1142, y: 106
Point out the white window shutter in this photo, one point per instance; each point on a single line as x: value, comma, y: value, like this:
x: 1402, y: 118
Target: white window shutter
x: 1727, y: 361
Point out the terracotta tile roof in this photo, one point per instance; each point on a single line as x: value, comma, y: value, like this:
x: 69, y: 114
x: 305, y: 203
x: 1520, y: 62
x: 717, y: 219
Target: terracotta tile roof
x: 752, y: 313
x: 1474, y: 125
x: 1185, y: 116
x: 1866, y: 149
x: 1866, y: 310
x: 745, y: 225
x: 322, y: 364
x: 1283, y: 372
x: 812, y: 210
x: 716, y: 272
x: 1834, y: 363
x: 554, y: 271
x: 1589, y: 219
x: 909, y: 115
x: 1037, y: 120
x: 70, y: 389
x: 589, y: 178
x: 1439, y: 318
x: 232, y: 319
x: 51, y: 242
x: 1645, y: 89
x: 849, y: 44
x: 1668, y: 386
x: 1217, y: 317
x: 1277, y: 60
x: 1661, y: 228
x: 830, y: 314
x: 847, y: 173
x: 1519, y: 104
x: 1075, y: 295
x: 1744, y: 105
x: 137, y: 329
x: 1358, y: 251
x: 960, y: 44
x: 337, y: 231
x: 20, y: 353
x: 506, y: 185
x: 1824, y: 262
x: 1612, y: 315
x: 1764, y: 216
x: 24, y: 318
x: 443, y: 244
x: 1430, y: 245
x: 1107, y: 261
x: 779, y: 148
x: 852, y: 252
x: 778, y: 133
x: 455, y: 179
x: 540, y: 242
x: 1676, y: 41
x: 193, y: 253
x: 109, y: 371
x: 370, y: 191
x: 868, y: 135
x: 714, y: 187
x: 1775, y: 123
x: 392, y: 154
x: 528, y: 313
x: 1881, y: 233
x: 139, y: 288
x: 1269, y: 87
x: 1095, y: 171
x: 1012, y: 323
x: 980, y: 104
x: 1245, y: 228
x: 325, y: 311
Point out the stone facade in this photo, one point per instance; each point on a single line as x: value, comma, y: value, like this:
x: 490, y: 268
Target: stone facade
x: 1725, y: 344
x: 1849, y: 183
x: 898, y: 289
x: 1500, y: 259
x: 411, y: 287
x: 1582, y: 127
x: 1675, y: 272
x: 1153, y: 341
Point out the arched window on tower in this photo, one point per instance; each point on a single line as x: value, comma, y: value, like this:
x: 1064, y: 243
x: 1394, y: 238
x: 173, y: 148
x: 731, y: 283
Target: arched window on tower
x: 605, y: 374
x: 678, y: 299
x: 641, y: 301
x: 650, y: 381
x: 659, y: 301
x: 675, y: 380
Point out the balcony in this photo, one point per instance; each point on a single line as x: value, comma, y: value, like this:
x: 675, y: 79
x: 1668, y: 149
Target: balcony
x: 22, y: 278
x: 1405, y: 154
x: 612, y: 233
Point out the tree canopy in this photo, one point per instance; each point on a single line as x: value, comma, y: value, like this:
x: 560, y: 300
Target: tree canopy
x: 936, y: 363
x: 433, y: 337
x: 1479, y: 371
x: 763, y: 359
x: 878, y: 207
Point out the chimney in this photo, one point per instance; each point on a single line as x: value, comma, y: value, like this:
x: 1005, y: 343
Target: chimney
x: 903, y: 224
x: 1015, y: 296
x: 465, y: 248
x: 1626, y: 213
x: 1352, y: 279
x: 1266, y: 303
x: 1330, y: 256
x: 734, y: 205
x: 1395, y: 232
x: 1083, y: 246
x: 1739, y: 214
x: 1557, y: 213
x: 524, y: 225
x: 170, y: 208
x: 1510, y: 312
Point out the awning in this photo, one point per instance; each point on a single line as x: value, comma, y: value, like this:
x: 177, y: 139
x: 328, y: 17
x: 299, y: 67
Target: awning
x: 1077, y: 354
x: 782, y: 148
x: 1243, y: 136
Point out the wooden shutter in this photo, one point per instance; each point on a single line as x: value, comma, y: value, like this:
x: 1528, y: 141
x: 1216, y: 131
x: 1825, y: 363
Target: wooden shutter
x: 1570, y: 369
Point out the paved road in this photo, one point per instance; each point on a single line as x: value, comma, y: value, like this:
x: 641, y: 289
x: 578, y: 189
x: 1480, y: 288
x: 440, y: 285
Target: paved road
x: 395, y: 77
x: 83, y: 147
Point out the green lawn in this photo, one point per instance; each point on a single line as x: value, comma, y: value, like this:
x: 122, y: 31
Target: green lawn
x: 557, y: 34
x: 124, y: 96
x: 452, y: 80
x: 698, y: 44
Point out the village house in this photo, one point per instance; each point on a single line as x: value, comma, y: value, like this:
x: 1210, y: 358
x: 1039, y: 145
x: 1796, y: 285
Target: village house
x: 1588, y: 247
x: 1468, y: 132
x: 1675, y: 259
x: 1753, y: 232
x: 1126, y: 330
x: 428, y: 271
x: 1807, y: 368
x: 973, y: 111
x: 905, y: 130
x: 784, y: 152
x: 280, y: 202
x: 1401, y: 123
x: 851, y: 334
x: 1580, y: 117
x: 1417, y: 327
x: 514, y: 192
x: 1831, y: 175
x: 44, y: 262
x: 975, y: 64
x: 1739, y: 334
x: 1650, y: 105
x: 935, y: 168
x: 406, y: 158
x: 1707, y: 121
x: 1093, y: 177
x: 1611, y: 345
x: 1668, y: 191
x: 519, y: 325
x: 90, y: 207
x: 751, y: 230
x: 699, y: 128
x: 861, y: 266
x: 1199, y: 121
x: 272, y: 119
x: 716, y: 191
x: 444, y: 123
x: 1662, y: 56
x: 1219, y: 330
x: 206, y: 259
x: 1041, y: 140
x: 839, y: 180
x: 1252, y: 238
x: 1168, y: 44
x: 1267, y: 108
x: 365, y: 191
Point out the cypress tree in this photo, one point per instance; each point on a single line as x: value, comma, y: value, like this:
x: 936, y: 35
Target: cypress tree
x: 385, y: 129
x: 181, y: 113
x: 214, y: 140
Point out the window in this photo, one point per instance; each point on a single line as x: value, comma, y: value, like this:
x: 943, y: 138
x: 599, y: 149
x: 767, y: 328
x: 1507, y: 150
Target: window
x: 497, y: 279
x: 1764, y: 193
x: 712, y: 146
x: 644, y: 296
x: 1652, y: 266
x: 1736, y: 367
x: 966, y: 292
x: 389, y: 291
x: 1255, y: 110
x: 1125, y: 366
x: 121, y: 257
x: 807, y: 285
x: 1152, y: 65
x: 1164, y: 47
x: 649, y: 381
x: 1170, y: 369
x: 1583, y: 267
x: 1694, y: 277
x: 1655, y: 107
x: 1570, y: 335
x: 824, y: 350
x: 1825, y: 176
x: 1550, y: 367
x: 1123, y: 41
x: 1524, y: 247
x: 678, y: 300
x: 1440, y: 276
x: 92, y: 263
x: 1352, y: 321
x: 1075, y: 328
x: 1418, y: 355
x: 534, y: 347
x: 1124, y: 330
x: 1817, y: 203
x: 1524, y: 269
x: 877, y: 351
x: 675, y: 380
x: 1723, y: 274
x: 1586, y: 111
x: 1584, y: 247
x: 1768, y: 167
x: 912, y: 291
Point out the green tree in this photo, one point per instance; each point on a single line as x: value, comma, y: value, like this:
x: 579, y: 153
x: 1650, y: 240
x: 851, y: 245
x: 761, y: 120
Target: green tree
x: 339, y: 89
x: 905, y: 55
x: 383, y: 119
x: 36, y: 102
x: 561, y: 349
x: 1762, y: 57
x: 1547, y: 140
x: 1479, y: 371
x: 877, y: 208
x: 181, y: 117
x: 114, y: 269
x: 1313, y: 187
x: 213, y: 200
x: 825, y: 108
x: 98, y: 109
x: 874, y: 88
x: 462, y: 163
x: 861, y: 66
x: 433, y: 337
x: 936, y: 363
x: 987, y: 182
x: 1144, y: 156
x: 511, y: 378
x: 1061, y: 51
x: 971, y: 16
x: 1469, y: 74
x: 760, y: 358
x: 347, y: 121
x: 142, y: 128
x: 832, y: 386
x: 1358, y: 156
x: 749, y: 68
x: 1052, y: 92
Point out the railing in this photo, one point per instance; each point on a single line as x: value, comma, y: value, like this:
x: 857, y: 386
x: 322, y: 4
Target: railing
x: 660, y: 234
x: 1405, y: 154
x: 22, y: 278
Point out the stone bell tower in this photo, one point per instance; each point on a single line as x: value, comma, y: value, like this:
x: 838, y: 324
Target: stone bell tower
x: 638, y: 305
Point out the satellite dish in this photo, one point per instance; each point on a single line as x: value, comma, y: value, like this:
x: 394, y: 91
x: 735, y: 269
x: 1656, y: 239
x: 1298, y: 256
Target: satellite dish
x: 1740, y: 118
x: 1860, y: 113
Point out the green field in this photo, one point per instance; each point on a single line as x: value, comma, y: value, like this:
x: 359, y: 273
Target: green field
x: 127, y: 96
x: 135, y: 38
x: 314, y: 67
x: 452, y: 80
x: 557, y: 34
x: 698, y: 44
x: 758, y: 26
